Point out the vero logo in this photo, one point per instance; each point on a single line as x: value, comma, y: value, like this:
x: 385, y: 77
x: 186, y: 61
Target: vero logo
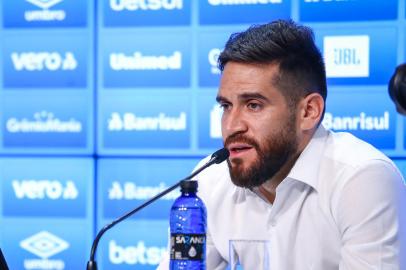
x: 44, y: 4
x: 44, y: 244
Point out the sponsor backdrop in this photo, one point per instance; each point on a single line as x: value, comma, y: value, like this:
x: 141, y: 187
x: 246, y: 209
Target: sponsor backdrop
x: 106, y: 103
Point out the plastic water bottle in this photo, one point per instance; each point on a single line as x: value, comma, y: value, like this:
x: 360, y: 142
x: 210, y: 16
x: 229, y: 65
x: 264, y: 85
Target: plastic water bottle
x: 188, y: 230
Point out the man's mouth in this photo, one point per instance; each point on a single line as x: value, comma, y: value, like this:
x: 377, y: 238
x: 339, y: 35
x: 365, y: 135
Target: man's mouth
x: 238, y: 149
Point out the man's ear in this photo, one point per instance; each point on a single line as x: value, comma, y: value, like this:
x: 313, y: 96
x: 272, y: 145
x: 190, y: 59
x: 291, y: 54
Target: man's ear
x: 310, y: 111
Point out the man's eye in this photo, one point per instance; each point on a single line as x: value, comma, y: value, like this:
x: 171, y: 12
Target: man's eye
x: 254, y: 106
x: 224, y: 106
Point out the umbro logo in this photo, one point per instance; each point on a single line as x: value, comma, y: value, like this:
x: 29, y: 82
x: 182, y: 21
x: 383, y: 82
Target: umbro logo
x: 44, y: 244
x: 44, y: 4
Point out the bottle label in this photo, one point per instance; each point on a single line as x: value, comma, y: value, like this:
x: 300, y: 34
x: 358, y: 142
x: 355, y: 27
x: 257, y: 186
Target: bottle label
x: 188, y: 246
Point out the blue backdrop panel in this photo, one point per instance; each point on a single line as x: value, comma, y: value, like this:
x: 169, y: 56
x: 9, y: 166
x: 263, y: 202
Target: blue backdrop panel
x: 42, y: 244
x: 43, y: 60
x: 44, y: 122
x: 127, y: 183
x: 142, y: 121
x: 373, y: 121
x: 48, y: 212
x: 209, y: 115
x: 358, y: 55
x: 47, y: 187
x: 46, y: 13
x: 210, y: 43
x: 133, y: 90
x: 146, y: 60
x: 135, y: 245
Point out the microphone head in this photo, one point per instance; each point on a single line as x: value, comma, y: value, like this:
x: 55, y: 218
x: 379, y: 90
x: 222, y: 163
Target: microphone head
x: 220, y: 155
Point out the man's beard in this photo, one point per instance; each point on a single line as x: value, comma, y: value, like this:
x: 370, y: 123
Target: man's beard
x: 275, y: 152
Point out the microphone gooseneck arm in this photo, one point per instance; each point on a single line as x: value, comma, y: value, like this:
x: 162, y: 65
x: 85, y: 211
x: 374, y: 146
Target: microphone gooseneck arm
x: 216, y: 158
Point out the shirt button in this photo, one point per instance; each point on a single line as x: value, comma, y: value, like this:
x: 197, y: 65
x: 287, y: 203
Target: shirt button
x: 273, y: 223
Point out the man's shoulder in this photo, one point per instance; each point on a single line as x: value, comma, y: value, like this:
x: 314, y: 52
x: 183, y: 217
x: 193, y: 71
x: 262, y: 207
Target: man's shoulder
x: 346, y: 149
x: 347, y: 159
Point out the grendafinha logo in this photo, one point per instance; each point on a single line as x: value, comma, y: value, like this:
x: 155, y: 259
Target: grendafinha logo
x: 45, y: 14
x: 44, y: 245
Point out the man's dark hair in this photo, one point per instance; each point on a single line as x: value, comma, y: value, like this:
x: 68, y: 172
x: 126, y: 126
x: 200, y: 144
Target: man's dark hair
x: 301, y: 66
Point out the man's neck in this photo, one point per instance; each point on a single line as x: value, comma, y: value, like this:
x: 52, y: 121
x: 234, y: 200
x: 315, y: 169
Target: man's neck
x: 268, y: 189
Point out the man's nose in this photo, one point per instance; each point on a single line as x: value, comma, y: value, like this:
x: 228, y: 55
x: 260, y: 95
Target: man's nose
x: 233, y: 122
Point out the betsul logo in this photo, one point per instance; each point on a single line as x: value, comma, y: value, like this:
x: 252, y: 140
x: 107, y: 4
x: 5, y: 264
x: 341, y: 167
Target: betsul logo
x: 45, y: 14
x: 44, y: 245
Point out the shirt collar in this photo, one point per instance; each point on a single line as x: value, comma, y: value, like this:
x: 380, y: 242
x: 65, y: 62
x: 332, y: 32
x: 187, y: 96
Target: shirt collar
x: 306, y: 168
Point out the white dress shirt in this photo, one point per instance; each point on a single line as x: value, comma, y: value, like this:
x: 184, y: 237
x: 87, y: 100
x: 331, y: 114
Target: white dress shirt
x: 338, y: 208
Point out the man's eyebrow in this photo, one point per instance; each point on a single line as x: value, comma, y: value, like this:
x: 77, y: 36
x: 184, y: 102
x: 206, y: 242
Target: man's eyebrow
x: 246, y: 96
x: 221, y: 99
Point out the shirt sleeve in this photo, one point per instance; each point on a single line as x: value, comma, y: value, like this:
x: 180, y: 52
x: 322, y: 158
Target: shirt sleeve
x: 371, y: 215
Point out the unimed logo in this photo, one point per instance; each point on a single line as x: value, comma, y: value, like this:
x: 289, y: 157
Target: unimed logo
x: 45, y: 14
x: 138, y: 254
x: 133, y: 5
x: 139, y: 61
x: 44, y: 189
x: 38, y: 61
x: 44, y: 245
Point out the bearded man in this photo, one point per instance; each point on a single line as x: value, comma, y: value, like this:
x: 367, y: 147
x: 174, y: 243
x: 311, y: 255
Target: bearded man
x: 323, y: 200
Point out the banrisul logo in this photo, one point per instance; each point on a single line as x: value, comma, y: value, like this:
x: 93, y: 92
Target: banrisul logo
x: 143, y: 128
x: 44, y: 245
x: 132, y: 191
x: 369, y: 116
x: 43, y: 122
x: 363, y: 121
x: 44, y: 11
x: 128, y: 122
x: 137, y: 254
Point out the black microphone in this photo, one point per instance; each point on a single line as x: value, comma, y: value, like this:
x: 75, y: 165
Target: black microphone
x: 216, y: 158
